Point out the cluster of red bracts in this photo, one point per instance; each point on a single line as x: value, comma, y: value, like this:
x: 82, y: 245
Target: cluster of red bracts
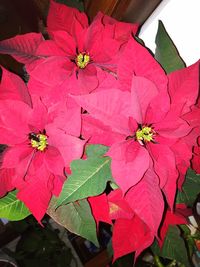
x: 149, y: 120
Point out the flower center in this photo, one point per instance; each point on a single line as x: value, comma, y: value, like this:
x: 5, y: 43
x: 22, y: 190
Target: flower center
x: 145, y: 134
x: 38, y: 141
x: 82, y: 60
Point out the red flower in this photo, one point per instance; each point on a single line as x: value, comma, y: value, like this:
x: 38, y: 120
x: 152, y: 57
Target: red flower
x: 40, y: 144
x: 147, y: 126
x: 76, y: 54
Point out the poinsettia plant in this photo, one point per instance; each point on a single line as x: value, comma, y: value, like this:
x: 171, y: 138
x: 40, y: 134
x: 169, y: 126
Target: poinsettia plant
x: 102, y: 131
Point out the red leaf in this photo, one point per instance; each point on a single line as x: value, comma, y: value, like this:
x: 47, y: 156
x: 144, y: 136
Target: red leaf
x: 143, y: 91
x: 62, y: 17
x: 172, y: 218
x: 165, y: 168
x: 22, y: 47
x: 112, y: 107
x: 36, y: 192
x: 119, y: 208
x: 12, y: 87
x: 100, y: 209
x: 146, y: 200
x: 129, y: 162
x: 196, y: 159
x: 180, y: 84
x: 6, y: 176
x: 130, y: 235
x: 137, y: 60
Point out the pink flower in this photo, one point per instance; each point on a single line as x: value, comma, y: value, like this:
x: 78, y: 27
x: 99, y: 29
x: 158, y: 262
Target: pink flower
x: 41, y: 143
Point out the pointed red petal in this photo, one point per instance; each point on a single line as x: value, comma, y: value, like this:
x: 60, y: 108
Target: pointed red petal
x: 70, y: 147
x: 52, y: 71
x: 180, y: 84
x: 12, y: 87
x: 6, y: 176
x: 36, y: 193
x: 54, y: 161
x: 171, y: 218
x: 100, y: 209
x: 129, y: 236
x: 110, y: 107
x: 62, y: 17
x: 137, y: 60
x: 165, y: 168
x: 14, y: 117
x: 146, y: 200
x: 143, y: 92
x: 22, y: 47
x: 129, y: 163
x: 119, y: 208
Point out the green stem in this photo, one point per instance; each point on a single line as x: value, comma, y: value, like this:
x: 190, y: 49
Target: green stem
x: 157, y: 261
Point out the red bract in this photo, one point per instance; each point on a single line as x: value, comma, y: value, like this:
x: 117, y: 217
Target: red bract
x: 62, y: 17
x: 173, y: 218
x: 6, y: 181
x: 184, y: 90
x: 130, y: 235
x: 196, y: 158
x: 12, y: 87
x: 40, y: 145
x: 137, y: 60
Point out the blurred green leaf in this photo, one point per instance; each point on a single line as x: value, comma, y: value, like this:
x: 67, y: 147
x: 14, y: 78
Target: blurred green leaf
x: 73, y: 3
x: 190, y: 189
x: 166, y: 52
x: 76, y: 217
x: 12, y: 208
x: 173, y: 248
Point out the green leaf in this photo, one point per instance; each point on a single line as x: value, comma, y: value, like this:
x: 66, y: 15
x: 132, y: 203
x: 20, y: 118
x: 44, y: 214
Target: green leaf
x: 12, y: 208
x: 89, y: 177
x: 76, y: 217
x: 166, y: 52
x: 173, y: 248
x: 73, y: 3
x: 190, y: 189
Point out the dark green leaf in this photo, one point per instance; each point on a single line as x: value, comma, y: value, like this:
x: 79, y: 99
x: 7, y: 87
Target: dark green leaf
x: 190, y: 189
x: 12, y: 208
x: 73, y: 3
x: 89, y: 177
x: 76, y: 217
x: 166, y: 52
x: 173, y: 248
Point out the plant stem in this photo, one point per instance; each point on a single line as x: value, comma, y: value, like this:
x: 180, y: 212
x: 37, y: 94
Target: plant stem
x: 157, y: 261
